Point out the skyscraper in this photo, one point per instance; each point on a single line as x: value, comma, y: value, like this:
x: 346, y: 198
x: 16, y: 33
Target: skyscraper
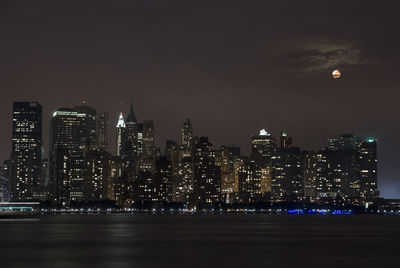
x: 131, y: 144
x: 184, y: 180
x: 341, y: 181
x: 347, y: 142
x: 187, y: 135
x: 26, y: 156
x: 367, y: 173
x: 309, y: 173
x: 286, y: 173
x: 164, y: 179
x: 207, y: 176
x: 120, y: 135
x: 263, y: 146
x: 284, y: 140
x: 98, y: 177
x: 72, y: 135
x: 250, y: 182
x: 102, y: 130
x: 226, y: 158
x: 148, y: 139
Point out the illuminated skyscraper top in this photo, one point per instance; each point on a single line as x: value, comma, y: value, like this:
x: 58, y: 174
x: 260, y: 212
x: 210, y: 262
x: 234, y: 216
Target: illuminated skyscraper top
x: 263, y: 147
x: 263, y: 132
x: 120, y: 133
x: 121, y: 121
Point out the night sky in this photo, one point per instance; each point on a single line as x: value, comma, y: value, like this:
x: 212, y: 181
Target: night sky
x: 233, y: 67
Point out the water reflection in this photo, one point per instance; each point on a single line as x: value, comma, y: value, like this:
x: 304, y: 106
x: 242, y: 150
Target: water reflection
x: 200, y: 241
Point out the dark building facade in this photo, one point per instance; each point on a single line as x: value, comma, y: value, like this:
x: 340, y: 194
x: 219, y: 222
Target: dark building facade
x: 26, y: 153
x: 187, y: 134
x: 102, y: 131
x: 367, y: 171
x: 73, y: 132
x: 263, y: 147
x: 207, y: 176
x: 286, y: 175
x: 5, y: 181
x: 98, y: 175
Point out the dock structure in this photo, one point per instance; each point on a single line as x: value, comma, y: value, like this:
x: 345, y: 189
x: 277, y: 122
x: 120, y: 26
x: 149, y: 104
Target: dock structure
x: 18, y: 206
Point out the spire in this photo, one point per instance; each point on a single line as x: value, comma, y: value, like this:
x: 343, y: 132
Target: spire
x: 121, y: 122
x: 131, y: 118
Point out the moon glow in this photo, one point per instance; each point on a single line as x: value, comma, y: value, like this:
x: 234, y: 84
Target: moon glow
x: 336, y: 74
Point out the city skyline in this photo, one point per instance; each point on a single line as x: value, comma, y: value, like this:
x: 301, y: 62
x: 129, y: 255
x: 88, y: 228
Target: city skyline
x: 192, y: 173
x: 123, y: 121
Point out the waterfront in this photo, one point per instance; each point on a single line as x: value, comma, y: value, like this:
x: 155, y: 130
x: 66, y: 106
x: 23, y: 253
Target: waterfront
x: 200, y: 241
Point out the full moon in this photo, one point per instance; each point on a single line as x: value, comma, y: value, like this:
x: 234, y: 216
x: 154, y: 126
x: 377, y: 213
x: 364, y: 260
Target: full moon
x: 336, y: 74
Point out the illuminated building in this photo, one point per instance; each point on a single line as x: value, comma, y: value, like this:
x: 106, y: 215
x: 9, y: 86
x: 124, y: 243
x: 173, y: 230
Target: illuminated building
x: 72, y: 136
x: 5, y: 181
x: 263, y: 146
x: 98, y: 177
x: 309, y: 174
x: 26, y: 153
x: 131, y: 152
x: 148, y: 139
x: 89, y: 132
x: 367, y: 173
x: 43, y: 194
x: 187, y: 135
x: 146, y: 151
x: 286, y: 175
x: 146, y: 188
x: 102, y: 131
x: 207, y: 176
x: 120, y: 135
x: 164, y: 179
x: 225, y: 158
x: 122, y: 184
x: 339, y: 179
x: 265, y: 180
x: 184, y: 180
x: 347, y: 142
x: 285, y: 141
x: 250, y: 177
x: 334, y: 174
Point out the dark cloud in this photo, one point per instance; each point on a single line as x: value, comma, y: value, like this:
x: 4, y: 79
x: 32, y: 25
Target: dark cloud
x: 320, y: 56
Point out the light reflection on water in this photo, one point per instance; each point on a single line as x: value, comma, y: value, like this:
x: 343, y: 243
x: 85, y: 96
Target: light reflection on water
x: 200, y: 241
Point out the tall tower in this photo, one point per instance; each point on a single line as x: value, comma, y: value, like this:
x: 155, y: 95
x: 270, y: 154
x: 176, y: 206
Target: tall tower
x: 131, y: 147
x: 285, y: 141
x: 207, y: 176
x: 26, y: 154
x: 120, y: 134
x: 187, y: 134
x: 286, y: 176
x: 89, y: 133
x: 102, y: 130
x: 263, y: 146
x: 72, y: 134
x: 148, y: 139
x: 341, y: 176
x: 367, y: 171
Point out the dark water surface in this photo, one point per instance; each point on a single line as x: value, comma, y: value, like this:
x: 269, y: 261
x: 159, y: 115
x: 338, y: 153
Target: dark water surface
x: 201, y: 241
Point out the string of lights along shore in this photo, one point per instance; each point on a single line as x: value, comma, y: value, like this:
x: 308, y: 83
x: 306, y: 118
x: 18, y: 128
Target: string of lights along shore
x: 80, y: 166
